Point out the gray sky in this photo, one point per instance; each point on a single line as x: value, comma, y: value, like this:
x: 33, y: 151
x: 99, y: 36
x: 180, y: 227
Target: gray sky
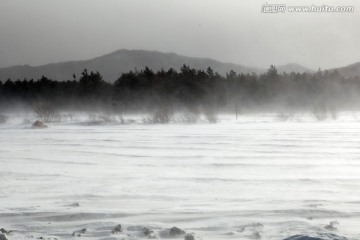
x: 37, y: 32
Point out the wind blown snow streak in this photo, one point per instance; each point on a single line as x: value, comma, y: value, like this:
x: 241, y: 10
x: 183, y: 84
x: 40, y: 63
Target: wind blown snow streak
x: 224, y: 181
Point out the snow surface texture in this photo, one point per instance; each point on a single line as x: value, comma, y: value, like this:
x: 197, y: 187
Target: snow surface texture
x: 251, y: 178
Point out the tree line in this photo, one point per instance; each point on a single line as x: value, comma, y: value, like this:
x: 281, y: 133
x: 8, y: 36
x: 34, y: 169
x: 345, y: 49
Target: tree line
x: 188, y: 88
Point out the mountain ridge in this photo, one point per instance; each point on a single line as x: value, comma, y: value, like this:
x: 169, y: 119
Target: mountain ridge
x: 113, y: 64
x: 351, y: 70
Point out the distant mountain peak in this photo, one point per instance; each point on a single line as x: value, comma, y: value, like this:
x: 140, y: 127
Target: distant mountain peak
x: 293, y: 67
x: 113, y: 64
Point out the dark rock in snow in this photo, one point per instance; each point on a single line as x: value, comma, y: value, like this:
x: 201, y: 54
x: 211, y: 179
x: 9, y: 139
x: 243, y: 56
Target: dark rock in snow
x: 3, y: 230
x: 173, y: 232
x: 39, y: 124
x: 117, y: 229
x: 148, y: 232
x: 332, y: 225
x: 321, y: 236
x: 73, y: 205
x: 79, y: 232
x: 142, y: 231
x: 3, y: 236
x: 189, y: 237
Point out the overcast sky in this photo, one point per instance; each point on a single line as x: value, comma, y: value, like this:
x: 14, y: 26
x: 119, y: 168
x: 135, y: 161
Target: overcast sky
x: 36, y: 32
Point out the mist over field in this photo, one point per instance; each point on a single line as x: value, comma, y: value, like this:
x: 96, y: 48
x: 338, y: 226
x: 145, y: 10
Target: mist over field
x: 193, y: 120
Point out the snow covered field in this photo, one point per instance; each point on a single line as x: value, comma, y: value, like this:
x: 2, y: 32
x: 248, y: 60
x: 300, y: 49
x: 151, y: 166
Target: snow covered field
x: 237, y: 179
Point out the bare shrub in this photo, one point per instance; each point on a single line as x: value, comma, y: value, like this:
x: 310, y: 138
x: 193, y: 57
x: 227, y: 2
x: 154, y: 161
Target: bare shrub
x: 110, y: 117
x: 68, y: 116
x: 93, y: 117
x: 128, y: 121
x: 122, y: 120
x: 333, y: 113
x: 284, y: 116
x: 146, y: 120
x: 192, y: 115
x: 46, y: 113
x: 107, y: 117
x: 163, y: 114
x: 211, y: 115
x: 320, y: 112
